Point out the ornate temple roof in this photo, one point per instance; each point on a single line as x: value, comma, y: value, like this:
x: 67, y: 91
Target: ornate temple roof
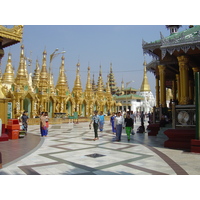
x: 180, y: 41
x: 11, y: 35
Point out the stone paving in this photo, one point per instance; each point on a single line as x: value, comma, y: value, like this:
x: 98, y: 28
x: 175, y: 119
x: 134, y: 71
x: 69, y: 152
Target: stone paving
x: 69, y: 149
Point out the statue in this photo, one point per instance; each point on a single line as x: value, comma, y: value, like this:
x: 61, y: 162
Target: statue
x: 57, y: 108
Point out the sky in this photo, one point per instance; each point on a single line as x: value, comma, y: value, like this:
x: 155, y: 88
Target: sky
x: 91, y: 45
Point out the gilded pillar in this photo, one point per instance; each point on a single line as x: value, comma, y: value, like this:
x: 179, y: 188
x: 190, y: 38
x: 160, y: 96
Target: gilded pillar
x: 162, y: 85
x: 184, y: 81
x: 157, y: 92
x: 13, y: 108
x: 195, y: 69
x: 22, y: 105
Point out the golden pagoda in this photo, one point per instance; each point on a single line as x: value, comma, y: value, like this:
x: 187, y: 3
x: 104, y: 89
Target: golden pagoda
x: 8, y: 76
x: 77, y: 91
x: 62, y: 89
x: 89, y: 95
x: 36, y: 75
x: 145, y: 87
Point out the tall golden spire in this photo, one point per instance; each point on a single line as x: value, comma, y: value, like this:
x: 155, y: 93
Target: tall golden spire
x: 44, y: 82
x: 62, y: 85
x: 100, y: 82
x: 77, y: 82
x: 145, y: 87
x: 21, y: 77
x: 108, y: 90
x: 93, y: 84
x: 36, y: 75
x: 88, y: 84
x: 112, y: 82
x: 8, y: 76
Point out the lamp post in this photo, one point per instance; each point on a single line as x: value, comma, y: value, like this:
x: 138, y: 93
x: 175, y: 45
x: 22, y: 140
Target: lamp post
x: 52, y: 56
x: 126, y: 93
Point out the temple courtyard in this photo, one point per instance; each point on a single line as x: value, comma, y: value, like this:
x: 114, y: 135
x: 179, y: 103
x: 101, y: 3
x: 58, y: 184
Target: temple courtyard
x: 69, y: 149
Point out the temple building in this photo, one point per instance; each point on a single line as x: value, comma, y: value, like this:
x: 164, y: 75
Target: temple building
x: 145, y: 91
x: 8, y: 37
x: 36, y: 92
x: 135, y: 100
x: 176, y: 66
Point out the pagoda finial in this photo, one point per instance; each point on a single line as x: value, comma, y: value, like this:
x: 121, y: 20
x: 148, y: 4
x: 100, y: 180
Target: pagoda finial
x: 145, y: 87
x: 111, y: 68
x: 100, y: 81
x: 36, y: 75
x: 88, y: 84
x: 44, y: 77
x: 21, y: 77
x: 8, y: 76
x: 62, y: 85
x: 77, y: 82
x: 93, y: 84
x: 108, y: 85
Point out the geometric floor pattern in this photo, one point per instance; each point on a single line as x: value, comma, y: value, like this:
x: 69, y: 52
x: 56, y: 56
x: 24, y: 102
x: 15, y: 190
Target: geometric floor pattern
x: 69, y: 149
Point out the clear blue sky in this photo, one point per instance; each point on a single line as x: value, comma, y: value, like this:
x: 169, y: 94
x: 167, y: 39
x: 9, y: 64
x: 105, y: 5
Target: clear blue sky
x: 92, y: 45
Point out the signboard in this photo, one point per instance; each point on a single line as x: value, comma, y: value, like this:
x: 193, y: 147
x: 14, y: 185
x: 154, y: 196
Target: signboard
x: 9, y: 110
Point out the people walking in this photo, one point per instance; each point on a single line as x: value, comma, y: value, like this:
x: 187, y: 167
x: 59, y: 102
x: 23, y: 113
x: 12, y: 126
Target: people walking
x: 118, y: 124
x: 24, y: 120
x: 112, y: 120
x: 47, y: 121
x: 101, y: 122
x: 43, y: 128
x: 95, y: 120
x: 128, y: 125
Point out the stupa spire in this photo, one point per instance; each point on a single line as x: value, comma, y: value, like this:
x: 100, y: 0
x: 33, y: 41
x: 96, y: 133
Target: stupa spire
x: 93, y: 84
x: 62, y: 85
x: 88, y: 84
x: 21, y: 77
x: 108, y: 90
x: 145, y: 87
x: 36, y: 75
x: 8, y: 76
x: 44, y: 82
x: 112, y: 82
x: 77, y: 82
x: 100, y: 82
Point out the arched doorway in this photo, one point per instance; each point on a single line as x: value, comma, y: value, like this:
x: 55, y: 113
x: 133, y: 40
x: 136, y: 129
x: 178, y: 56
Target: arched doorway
x: 83, y: 111
x: 27, y: 105
x: 69, y: 108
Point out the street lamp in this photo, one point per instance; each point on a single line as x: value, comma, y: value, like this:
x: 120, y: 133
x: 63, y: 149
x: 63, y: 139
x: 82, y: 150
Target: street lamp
x: 126, y: 93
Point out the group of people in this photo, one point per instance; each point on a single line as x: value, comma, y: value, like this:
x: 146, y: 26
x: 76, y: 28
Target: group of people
x: 118, y: 122
x: 44, y: 123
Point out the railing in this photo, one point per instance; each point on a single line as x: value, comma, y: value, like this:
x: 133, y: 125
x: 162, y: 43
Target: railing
x: 36, y: 121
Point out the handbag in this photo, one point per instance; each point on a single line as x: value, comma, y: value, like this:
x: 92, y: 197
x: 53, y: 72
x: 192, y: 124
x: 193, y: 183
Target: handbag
x: 133, y: 132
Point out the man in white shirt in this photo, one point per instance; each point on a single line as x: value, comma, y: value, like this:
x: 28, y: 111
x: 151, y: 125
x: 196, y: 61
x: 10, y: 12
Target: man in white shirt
x: 119, y: 124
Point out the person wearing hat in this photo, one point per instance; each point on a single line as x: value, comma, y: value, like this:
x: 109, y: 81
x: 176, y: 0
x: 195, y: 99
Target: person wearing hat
x: 95, y: 120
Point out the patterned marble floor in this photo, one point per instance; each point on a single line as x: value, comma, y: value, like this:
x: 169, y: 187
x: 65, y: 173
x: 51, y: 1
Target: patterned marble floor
x: 70, y: 149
